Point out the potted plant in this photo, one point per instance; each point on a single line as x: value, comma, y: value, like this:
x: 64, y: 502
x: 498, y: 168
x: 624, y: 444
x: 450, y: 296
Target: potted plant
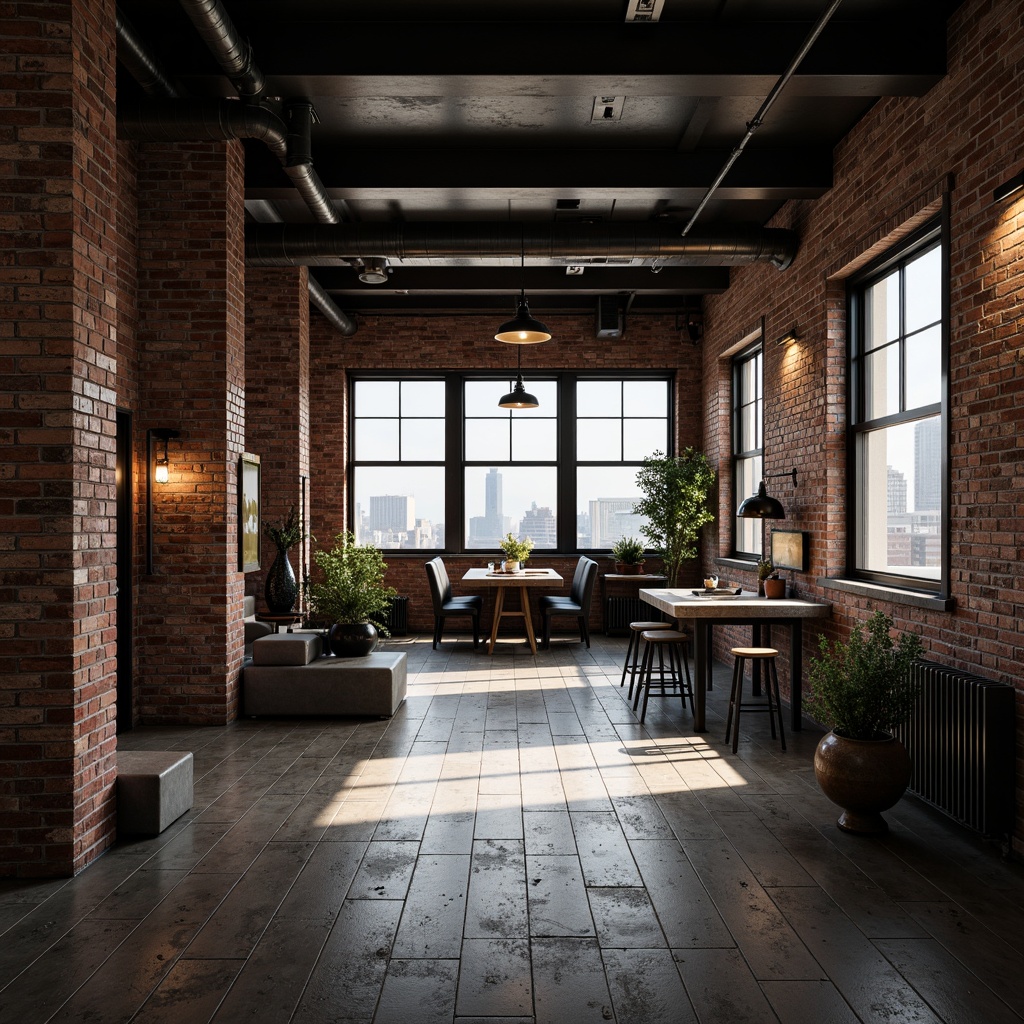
x: 676, y: 503
x: 769, y: 583
x: 628, y: 553
x: 281, y: 587
x: 349, y: 592
x: 516, y: 551
x: 863, y: 690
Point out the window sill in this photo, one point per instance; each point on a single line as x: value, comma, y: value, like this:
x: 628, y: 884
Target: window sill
x: 895, y: 595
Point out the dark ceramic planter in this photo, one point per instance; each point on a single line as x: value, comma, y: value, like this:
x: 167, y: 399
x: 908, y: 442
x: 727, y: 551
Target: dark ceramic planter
x: 282, y: 588
x: 629, y: 568
x: 352, y: 639
x: 864, y: 777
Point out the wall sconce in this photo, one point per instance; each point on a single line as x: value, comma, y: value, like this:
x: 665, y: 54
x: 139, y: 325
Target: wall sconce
x: 788, y: 338
x: 155, y: 469
x: 161, y: 470
x: 1007, y: 189
x: 763, y: 506
x: 693, y: 326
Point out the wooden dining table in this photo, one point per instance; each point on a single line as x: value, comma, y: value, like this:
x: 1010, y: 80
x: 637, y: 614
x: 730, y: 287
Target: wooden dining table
x: 521, y: 581
x: 725, y: 609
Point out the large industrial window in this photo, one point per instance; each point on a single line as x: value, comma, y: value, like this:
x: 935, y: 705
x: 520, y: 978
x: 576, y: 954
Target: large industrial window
x: 436, y: 464
x: 898, y: 370
x: 747, y: 444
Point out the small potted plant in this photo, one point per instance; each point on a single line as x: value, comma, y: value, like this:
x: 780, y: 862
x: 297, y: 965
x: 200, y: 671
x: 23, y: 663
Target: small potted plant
x: 348, y: 591
x: 863, y: 690
x: 628, y: 553
x: 516, y: 552
x: 765, y: 569
x: 770, y: 583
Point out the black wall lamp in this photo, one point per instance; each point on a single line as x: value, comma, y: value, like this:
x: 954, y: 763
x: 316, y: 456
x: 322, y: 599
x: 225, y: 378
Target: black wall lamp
x: 763, y: 506
x: 787, y: 339
x: 156, y: 469
x: 1007, y: 189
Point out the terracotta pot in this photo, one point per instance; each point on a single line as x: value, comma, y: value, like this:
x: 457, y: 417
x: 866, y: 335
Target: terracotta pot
x: 353, y: 639
x: 774, y: 588
x: 629, y: 568
x: 864, y: 777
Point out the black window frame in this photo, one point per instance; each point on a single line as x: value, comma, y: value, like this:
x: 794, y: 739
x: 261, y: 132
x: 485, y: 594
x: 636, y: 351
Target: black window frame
x: 931, y: 235
x: 455, y: 462
x: 755, y: 350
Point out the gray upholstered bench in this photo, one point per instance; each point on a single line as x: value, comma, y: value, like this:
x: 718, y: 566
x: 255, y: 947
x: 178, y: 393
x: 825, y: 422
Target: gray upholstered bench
x: 289, y: 676
x: 154, y: 789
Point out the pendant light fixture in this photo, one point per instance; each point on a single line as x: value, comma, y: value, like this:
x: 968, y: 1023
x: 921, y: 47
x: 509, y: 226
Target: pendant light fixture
x: 522, y: 329
x: 518, y: 397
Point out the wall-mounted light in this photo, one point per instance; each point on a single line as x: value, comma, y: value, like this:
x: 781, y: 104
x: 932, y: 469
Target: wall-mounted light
x: 788, y: 338
x: 156, y: 469
x: 763, y: 506
x: 162, y: 466
x: 1015, y: 184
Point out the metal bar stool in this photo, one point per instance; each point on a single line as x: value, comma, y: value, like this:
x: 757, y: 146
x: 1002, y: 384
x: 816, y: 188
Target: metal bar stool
x: 774, y: 704
x: 679, y: 667
x: 633, y: 650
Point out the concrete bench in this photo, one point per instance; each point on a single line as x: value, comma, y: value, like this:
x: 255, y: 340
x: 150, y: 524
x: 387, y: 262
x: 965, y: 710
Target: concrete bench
x: 154, y: 789
x: 371, y: 686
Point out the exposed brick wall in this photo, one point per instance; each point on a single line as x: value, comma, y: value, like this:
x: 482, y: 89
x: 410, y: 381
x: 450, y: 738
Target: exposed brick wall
x: 277, y: 401
x: 467, y: 343
x: 191, y: 339
x: 890, y: 173
x: 57, y: 551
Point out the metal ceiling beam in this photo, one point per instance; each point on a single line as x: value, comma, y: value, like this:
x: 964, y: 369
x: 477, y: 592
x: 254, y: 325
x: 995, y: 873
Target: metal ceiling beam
x: 314, y: 244
x: 891, y: 56
x: 595, y: 279
x: 773, y: 172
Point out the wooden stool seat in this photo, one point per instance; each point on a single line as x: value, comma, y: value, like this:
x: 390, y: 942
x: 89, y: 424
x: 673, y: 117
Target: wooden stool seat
x: 736, y: 703
x: 633, y: 649
x: 676, y: 642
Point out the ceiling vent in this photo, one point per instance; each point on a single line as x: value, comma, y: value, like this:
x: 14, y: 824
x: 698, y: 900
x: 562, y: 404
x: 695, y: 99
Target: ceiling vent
x: 644, y: 10
x: 609, y: 317
x: 607, y: 108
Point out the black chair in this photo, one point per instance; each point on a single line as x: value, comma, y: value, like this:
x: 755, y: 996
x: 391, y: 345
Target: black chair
x: 576, y: 604
x: 445, y: 604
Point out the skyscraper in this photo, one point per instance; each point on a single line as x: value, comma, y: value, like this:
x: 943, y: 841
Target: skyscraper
x: 392, y: 512
x: 540, y: 525
x: 927, y: 465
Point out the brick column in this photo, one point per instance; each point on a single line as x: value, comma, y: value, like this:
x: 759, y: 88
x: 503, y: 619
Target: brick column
x: 277, y: 399
x: 191, y: 353
x: 57, y: 441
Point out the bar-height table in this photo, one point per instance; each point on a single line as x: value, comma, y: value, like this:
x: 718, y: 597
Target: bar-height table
x: 523, y: 579
x: 745, y: 610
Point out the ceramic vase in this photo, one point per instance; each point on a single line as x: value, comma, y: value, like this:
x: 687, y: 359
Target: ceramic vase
x: 352, y: 639
x: 282, y: 588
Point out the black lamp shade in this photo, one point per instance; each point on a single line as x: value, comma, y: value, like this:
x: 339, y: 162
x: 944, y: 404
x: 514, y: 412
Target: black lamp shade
x: 761, y: 506
x: 518, y: 397
x: 522, y: 329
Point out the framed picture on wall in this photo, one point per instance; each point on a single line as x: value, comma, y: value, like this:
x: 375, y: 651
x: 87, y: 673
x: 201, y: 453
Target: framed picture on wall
x: 789, y: 549
x: 248, y: 512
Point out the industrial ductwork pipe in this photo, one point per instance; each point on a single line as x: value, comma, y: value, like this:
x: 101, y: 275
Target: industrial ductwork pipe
x: 314, y: 244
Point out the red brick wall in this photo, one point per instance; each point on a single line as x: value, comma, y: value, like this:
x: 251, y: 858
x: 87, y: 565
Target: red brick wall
x: 57, y: 397
x: 417, y: 343
x: 191, y: 339
x: 277, y: 400
x: 889, y: 173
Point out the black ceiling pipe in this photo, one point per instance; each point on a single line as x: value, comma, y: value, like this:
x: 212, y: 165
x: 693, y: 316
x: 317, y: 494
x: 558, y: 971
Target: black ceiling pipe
x: 319, y: 297
x: 233, y: 54
x: 140, y: 63
x: 309, y: 244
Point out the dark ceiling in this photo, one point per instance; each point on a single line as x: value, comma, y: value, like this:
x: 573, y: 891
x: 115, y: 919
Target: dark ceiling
x: 462, y: 138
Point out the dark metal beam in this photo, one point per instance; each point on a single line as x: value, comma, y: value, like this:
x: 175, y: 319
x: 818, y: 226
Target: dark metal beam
x: 802, y: 172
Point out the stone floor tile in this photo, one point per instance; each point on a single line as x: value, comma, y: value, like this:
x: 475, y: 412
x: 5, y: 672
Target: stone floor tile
x: 569, y: 985
x: 497, y: 903
x: 494, y: 979
x: 645, y: 986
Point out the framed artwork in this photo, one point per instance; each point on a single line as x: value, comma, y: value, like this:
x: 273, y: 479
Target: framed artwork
x: 789, y: 549
x: 248, y: 512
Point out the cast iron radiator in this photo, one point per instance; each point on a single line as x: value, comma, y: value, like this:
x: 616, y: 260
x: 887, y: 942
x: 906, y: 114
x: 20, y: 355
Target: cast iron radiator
x: 961, y: 740
x: 619, y: 612
x: 397, y: 619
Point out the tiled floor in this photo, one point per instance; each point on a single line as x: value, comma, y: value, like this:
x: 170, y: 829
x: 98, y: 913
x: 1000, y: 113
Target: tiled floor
x: 514, y: 846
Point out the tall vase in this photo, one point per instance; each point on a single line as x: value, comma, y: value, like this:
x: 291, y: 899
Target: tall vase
x: 282, y: 588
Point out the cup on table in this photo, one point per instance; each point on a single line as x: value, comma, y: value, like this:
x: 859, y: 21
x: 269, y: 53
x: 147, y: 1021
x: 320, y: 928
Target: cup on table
x: 711, y: 582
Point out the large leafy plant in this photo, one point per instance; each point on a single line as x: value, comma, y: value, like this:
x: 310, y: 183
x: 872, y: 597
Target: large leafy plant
x: 349, y: 584
x: 676, y: 491
x: 863, y: 688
